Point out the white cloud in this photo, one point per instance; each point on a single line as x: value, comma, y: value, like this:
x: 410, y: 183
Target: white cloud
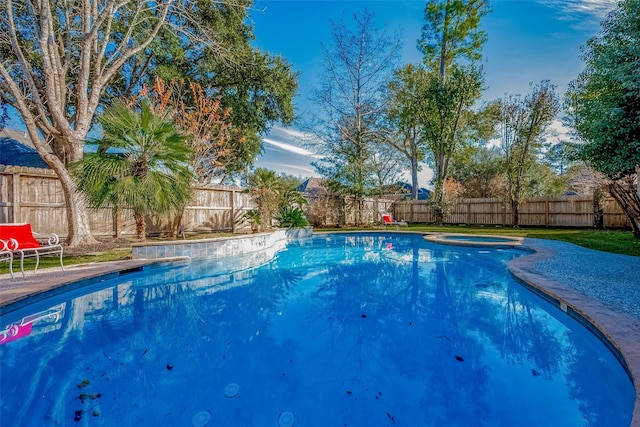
x: 558, y: 132
x: 288, y: 147
x: 577, y: 9
x: 283, y: 152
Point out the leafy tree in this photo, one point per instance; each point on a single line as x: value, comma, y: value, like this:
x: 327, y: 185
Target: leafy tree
x: 451, y: 41
x: 562, y: 156
x: 406, y: 106
x: 542, y: 181
x: 522, y: 124
x: 450, y: 124
x: 451, y: 32
x: 604, y: 104
x: 387, y: 164
x: 203, y: 119
x: 357, y: 67
x: 255, y: 87
x: 58, y: 59
x: 142, y: 163
x: 477, y: 171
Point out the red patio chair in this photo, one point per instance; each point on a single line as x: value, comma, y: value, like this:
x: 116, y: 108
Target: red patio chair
x: 6, y: 252
x: 28, y: 245
x: 388, y: 220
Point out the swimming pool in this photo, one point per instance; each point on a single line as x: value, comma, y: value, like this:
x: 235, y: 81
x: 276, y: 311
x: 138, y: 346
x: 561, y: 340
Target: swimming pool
x: 341, y: 329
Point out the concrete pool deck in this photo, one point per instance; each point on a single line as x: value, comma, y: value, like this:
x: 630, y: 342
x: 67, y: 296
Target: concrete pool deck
x: 601, y: 287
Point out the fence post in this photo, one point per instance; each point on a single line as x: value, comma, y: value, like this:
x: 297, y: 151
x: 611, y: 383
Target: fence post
x: 546, y: 213
x: 468, y: 213
x: 233, y: 211
x: 412, y: 214
x: 15, y: 208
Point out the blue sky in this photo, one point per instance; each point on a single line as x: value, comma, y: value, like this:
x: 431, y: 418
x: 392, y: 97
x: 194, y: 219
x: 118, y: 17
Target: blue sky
x: 528, y: 41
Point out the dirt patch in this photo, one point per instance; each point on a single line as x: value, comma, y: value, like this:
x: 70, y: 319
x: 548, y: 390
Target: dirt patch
x: 103, y: 245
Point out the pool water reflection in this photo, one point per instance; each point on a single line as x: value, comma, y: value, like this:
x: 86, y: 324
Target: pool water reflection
x: 355, y: 330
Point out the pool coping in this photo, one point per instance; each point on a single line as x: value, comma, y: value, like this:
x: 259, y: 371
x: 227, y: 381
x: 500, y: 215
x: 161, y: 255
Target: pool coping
x: 620, y: 331
x: 20, y: 292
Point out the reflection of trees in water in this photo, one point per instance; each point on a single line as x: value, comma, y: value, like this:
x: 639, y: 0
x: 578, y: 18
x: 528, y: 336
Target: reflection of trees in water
x: 527, y: 337
x: 128, y: 349
x: 407, y: 303
x: 393, y: 324
x: 590, y: 393
x: 456, y: 374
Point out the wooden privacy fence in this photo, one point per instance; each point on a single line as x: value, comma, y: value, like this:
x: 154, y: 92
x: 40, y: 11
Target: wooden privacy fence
x: 568, y: 211
x: 333, y: 211
x: 35, y: 196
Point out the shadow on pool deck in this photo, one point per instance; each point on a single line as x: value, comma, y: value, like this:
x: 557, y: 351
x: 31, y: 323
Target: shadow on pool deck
x: 602, y: 288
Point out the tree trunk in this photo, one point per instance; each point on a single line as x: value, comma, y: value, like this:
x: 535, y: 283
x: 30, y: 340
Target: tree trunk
x: 176, y: 226
x: 515, y: 213
x: 141, y: 226
x: 116, y: 223
x: 438, y: 201
x: 598, y: 209
x: 79, y: 229
x: 626, y: 196
x: 414, y: 178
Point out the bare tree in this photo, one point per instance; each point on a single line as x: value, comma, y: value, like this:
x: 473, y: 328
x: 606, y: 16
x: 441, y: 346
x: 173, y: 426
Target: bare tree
x: 357, y: 68
x: 58, y: 58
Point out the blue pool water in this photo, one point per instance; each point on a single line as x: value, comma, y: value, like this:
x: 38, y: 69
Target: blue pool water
x: 336, y: 330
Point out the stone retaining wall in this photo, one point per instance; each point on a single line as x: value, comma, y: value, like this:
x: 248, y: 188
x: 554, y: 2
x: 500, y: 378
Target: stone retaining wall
x: 219, y: 247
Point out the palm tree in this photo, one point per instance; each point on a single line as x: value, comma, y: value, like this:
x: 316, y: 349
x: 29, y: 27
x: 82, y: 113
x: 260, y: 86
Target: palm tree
x: 141, y: 163
x: 265, y: 186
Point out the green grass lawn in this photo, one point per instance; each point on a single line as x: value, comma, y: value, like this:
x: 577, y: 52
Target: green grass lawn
x: 619, y: 242
x: 615, y: 241
x: 54, y: 261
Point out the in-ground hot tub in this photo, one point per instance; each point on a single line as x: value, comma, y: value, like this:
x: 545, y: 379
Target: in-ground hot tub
x: 473, y: 239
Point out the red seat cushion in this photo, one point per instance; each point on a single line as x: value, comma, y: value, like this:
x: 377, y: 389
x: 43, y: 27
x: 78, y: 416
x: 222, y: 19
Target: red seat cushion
x: 22, y: 233
x: 387, y: 218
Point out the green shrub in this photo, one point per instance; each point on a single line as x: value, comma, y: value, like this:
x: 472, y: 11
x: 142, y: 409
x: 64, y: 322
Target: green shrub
x: 254, y: 218
x: 291, y: 217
